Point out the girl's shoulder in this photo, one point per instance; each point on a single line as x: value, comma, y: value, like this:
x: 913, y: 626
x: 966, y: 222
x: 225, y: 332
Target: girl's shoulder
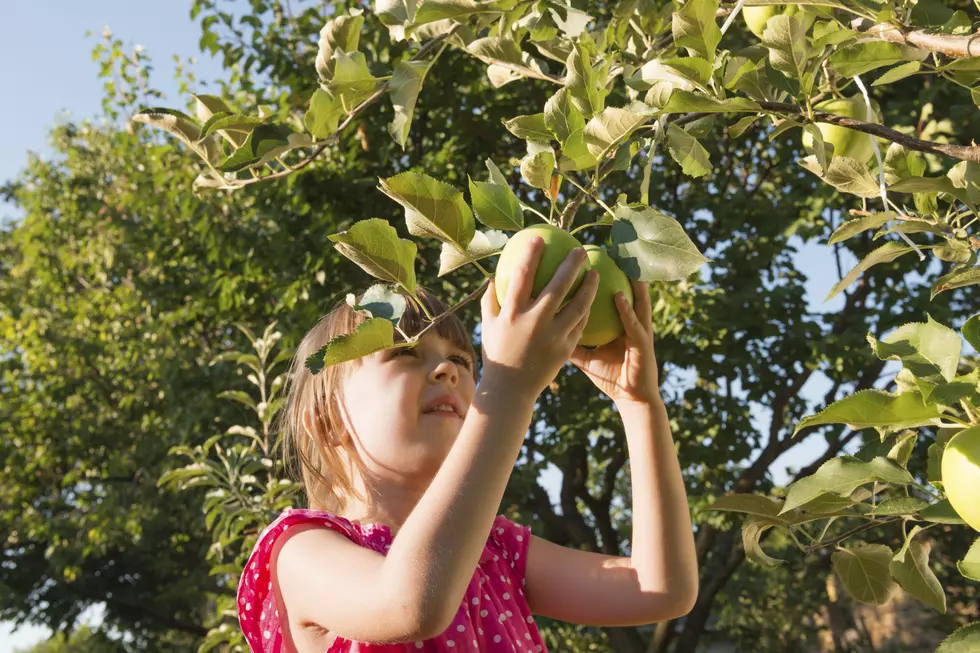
x: 505, y: 552
x: 258, y: 613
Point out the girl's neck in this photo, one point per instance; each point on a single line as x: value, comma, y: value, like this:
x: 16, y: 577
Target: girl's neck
x: 389, y: 507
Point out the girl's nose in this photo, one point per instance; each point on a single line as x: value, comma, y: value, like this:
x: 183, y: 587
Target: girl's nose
x: 445, y: 370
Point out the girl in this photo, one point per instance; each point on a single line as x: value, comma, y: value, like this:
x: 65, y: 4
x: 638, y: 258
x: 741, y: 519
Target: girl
x: 405, y: 461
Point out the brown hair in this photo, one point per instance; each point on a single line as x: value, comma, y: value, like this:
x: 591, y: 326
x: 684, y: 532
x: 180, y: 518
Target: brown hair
x: 314, y: 399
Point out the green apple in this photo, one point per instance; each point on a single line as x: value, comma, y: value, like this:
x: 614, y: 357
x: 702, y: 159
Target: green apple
x: 557, y: 245
x: 756, y: 17
x: 847, y: 142
x: 604, y: 324
x: 961, y: 475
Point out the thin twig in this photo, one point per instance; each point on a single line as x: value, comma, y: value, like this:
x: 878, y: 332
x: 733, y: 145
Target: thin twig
x: 854, y: 531
x: 463, y: 302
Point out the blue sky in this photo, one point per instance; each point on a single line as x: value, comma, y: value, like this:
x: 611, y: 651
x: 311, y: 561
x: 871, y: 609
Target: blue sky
x: 48, y: 70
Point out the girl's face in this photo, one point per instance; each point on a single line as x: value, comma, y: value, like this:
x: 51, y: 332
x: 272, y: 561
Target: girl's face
x: 386, y: 398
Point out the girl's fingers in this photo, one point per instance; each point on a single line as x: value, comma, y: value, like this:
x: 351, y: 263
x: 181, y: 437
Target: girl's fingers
x: 554, y: 293
x: 488, y: 303
x: 641, y: 304
x: 634, y: 330
x: 522, y: 281
x: 576, y: 311
x: 579, y: 356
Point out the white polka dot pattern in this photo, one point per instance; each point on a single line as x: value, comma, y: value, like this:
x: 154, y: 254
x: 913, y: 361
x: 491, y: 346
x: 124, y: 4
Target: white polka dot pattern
x: 490, y: 619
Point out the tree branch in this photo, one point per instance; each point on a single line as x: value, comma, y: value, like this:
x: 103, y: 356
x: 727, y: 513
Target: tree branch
x: 952, y: 46
x: 962, y: 152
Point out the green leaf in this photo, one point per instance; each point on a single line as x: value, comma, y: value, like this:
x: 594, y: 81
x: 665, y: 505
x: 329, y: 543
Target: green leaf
x: 339, y: 34
x: 930, y: 13
x: 574, y: 22
x: 264, y: 143
x: 561, y: 117
x: 211, y: 105
x: 941, y: 512
x: 752, y: 504
x: 884, y: 254
x: 536, y: 169
x: 901, y: 163
x: 496, y: 177
x: 230, y: 122
x: 404, y: 86
x: 180, y: 125
x: 916, y: 578
x: 374, y: 334
x: 433, y: 208
x: 352, y: 82
x: 900, y: 506
x: 611, y: 125
x: 789, y: 49
x: 208, y: 105
x: 239, y: 396
x: 530, y: 128
x: 682, y: 101
x: 853, y: 227
x: 585, y: 83
x: 651, y: 246
x: 966, y: 386
x: 963, y: 640
x: 845, y: 174
x: 655, y: 71
x: 898, y: 73
x: 374, y: 245
x: 874, y: 408
x: 965, y: 176
x: 491, y: 48
x: 432, y: 10
x: 496, y: 206
x: 694, y: 28
x: 826, y: 503
x: 929, y: 350
x: 971, y: 331
x: 842, y: 476
x: 380, y: 300
x: 324, y: 114
x: 969, y: 566
x: 860, y: 58
x: 956, y: 279
x: 739, y: 128
x: 483, y: 245
x: 395, y: 14
x: 865, y: 574
x: 752, y: 531
x: 687, y: 151
x: 903, y: 447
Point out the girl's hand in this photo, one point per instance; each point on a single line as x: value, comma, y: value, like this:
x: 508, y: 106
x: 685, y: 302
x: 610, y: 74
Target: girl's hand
x: 526, y: 341
x: 626, y: 368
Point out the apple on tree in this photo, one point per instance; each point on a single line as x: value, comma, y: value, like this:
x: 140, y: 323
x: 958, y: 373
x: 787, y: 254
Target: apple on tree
x: 847, y: 142
x: 604, y: 324
x: 757, y: 17
x: 961, y: 475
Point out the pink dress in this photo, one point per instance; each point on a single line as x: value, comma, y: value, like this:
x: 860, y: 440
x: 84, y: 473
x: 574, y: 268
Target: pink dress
x: 493, y: 617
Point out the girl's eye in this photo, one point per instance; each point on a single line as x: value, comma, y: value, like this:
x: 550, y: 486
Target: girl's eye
x: 464, y: 360
x: 404, y: 350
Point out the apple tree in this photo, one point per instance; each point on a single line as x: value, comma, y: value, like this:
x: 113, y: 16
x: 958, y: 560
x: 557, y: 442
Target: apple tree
x: 639, y: 78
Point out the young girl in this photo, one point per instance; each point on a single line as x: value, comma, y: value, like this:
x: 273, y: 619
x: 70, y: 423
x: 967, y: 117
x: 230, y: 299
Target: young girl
x: 405, y: 461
